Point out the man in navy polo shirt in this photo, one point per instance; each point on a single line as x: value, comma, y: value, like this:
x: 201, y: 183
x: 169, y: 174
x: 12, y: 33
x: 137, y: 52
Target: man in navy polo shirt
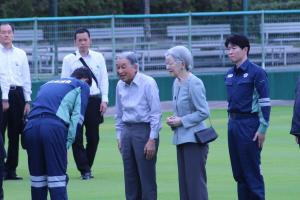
x: 249, y: 111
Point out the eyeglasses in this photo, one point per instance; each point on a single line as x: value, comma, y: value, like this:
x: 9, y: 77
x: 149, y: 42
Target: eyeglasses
x: 176, y: 61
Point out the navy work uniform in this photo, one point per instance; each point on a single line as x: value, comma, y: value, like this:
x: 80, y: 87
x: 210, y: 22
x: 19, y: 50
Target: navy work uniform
x: 248, y: 110
x: 57, y: 114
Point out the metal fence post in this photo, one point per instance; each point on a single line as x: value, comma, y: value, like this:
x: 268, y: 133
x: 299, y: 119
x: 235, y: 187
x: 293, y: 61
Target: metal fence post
x: 35, y: 50
x: 190, y: 31
x: 245, y: 17
x: 55, y: 42
x: 113, y: 45
x: 263, y: 54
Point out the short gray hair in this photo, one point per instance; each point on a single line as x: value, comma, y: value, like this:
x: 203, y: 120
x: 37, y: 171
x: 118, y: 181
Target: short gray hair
x: 131, y: 56
x: 181, y: 53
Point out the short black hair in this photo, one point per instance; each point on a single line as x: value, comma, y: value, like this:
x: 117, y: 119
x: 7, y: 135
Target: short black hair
x: 83, y: 72
x: 239, y: 40
x: 7, y: 23
x: 81, y: 30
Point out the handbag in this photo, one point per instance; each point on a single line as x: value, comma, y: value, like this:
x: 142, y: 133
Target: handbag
x: 207, y: 135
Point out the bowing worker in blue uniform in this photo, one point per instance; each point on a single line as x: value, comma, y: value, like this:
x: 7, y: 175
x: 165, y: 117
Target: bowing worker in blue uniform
x: 56, y: 115
x: 248, y: 111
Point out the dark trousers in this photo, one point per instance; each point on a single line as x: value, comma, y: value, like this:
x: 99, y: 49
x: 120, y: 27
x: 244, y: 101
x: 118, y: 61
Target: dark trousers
x: 45, y: 142
x: 84, y: 156
x: 2, y: 157
x: 191, y: 160
x: 13, y: 120
x: 139, y: 173
x: 245, y: 158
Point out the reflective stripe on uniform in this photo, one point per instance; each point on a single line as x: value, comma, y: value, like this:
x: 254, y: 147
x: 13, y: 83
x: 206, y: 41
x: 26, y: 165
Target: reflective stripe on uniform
x: 57, y: 181
x: 56, y: 178
x: 38, y: 181
x: 57, y: 184
x: 264, y: 104
x: 264, y: 100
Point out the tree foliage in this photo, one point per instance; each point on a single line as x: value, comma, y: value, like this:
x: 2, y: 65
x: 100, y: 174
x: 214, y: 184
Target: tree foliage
x: 40, y: 8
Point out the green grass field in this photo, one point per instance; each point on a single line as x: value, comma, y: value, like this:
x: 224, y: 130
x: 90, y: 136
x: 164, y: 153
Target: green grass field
x: 280, y: 164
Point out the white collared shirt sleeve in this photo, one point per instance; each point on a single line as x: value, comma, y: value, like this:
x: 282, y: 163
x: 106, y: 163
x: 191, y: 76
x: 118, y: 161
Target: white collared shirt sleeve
x: 155, y: 114
x: 4, y: 86
x: 66, y: 69
x: 26, y: 78
x: 103, y: 79
x: 119, y: 112
x: 4, y: 82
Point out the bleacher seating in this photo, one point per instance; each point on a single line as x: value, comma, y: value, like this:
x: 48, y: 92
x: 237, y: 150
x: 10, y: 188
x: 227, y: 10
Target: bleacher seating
x: 28, y: 35
x: 211, y: 33
x: 134, y: 33
x: 282, y: 32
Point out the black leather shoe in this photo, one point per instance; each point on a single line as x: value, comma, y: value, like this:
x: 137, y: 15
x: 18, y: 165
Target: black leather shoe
x: 12, y: 177
x: 87, y: 176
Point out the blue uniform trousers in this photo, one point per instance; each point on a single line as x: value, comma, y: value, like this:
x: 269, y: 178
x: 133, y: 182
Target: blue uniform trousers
x: 139, y: 173
x: 45, y: 141
x: 245, y: 158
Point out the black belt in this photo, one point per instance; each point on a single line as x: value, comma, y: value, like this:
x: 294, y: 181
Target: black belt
x: 95, y: 96
x: 14, y: 87
x: 47, y: 115
x: 130, y: 124
x: 242, y: 115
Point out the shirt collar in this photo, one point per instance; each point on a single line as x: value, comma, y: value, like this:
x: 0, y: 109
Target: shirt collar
x: 243, y: 67
x: 78, y: 56
x: 136, y: 80
x: 6, y: 50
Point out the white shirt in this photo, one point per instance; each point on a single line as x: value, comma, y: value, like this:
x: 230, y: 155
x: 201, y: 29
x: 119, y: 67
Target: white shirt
x: 14, y: 71
x: 96, y: 63
x: 138, y: 102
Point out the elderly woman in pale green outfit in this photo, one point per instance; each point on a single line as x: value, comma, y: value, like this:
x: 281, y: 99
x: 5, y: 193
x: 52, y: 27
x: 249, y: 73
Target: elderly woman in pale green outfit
x: 190, y: 110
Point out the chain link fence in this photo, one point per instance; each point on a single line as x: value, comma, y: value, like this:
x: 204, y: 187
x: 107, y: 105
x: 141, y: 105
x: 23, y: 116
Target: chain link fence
x: 274, y: 37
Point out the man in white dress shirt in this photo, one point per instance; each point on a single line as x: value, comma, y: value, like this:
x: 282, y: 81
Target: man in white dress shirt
x: 2, y: 149
x: 98, y: 100
x: 16, y: 92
